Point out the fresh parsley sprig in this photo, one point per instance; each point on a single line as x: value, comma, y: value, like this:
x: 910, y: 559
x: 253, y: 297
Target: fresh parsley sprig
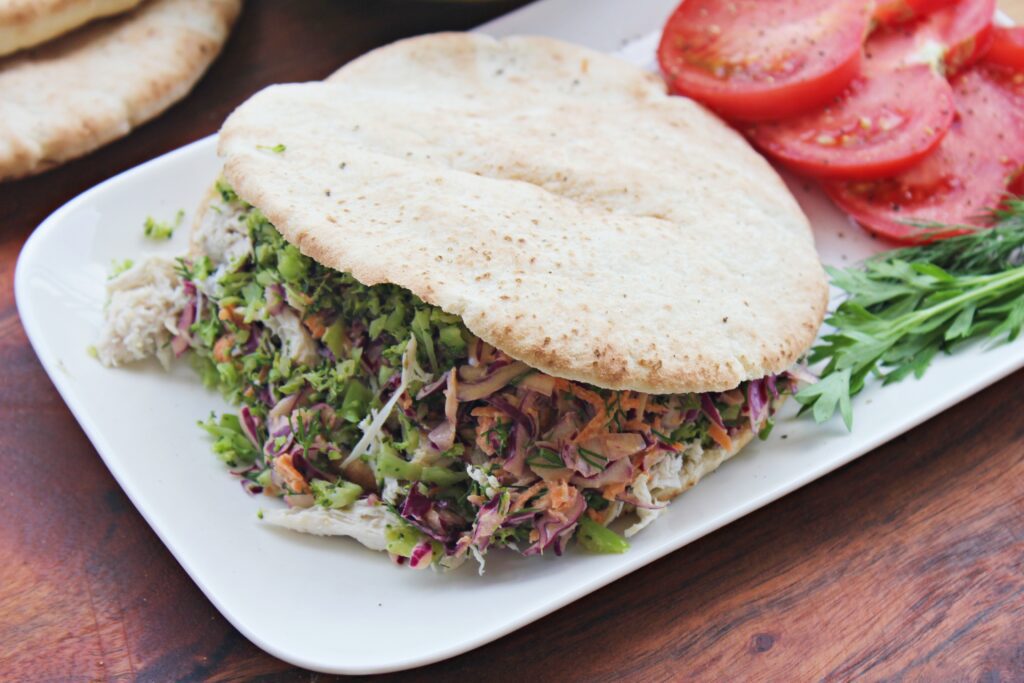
x: 907, y: 305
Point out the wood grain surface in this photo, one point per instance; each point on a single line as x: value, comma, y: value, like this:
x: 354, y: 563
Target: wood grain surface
x: 908, y: 564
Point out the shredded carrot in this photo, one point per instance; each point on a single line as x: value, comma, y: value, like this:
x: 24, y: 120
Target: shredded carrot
x: 525, y: 496
x: 483, y: 427
x: 587, y: 395
x: 222, y: 349
x: 629, y: 400
x: 720, y: 436
x: 562, y: 385
x: 315, y: 324
x: 612, y: 491
x: 600, y: 419
x: 286, y: 470
x: 562, y: 495
x: 637, y: 424
x: 404, y: 400
x: 486, y: 411
x: 229, y: 312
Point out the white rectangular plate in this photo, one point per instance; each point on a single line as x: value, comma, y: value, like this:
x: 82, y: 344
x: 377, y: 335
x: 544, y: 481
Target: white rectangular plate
x: 328, y: 604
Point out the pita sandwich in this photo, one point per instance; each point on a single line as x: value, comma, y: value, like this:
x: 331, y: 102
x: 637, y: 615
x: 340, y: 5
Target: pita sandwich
x: 85, y: 89
x: 478, y: 293
x: 26, y: 23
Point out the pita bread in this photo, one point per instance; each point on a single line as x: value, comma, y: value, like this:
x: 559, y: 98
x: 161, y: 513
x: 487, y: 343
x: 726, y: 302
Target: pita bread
x: 24, y: 23
x: 83, y: 90
x: 619, y: 237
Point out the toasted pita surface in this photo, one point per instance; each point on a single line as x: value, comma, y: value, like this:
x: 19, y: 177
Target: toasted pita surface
x: 557, y: 199
x: 92, y: 86
x: 24, y: 23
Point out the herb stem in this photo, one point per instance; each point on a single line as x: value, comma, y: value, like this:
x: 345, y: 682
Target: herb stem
x: 997, y: 281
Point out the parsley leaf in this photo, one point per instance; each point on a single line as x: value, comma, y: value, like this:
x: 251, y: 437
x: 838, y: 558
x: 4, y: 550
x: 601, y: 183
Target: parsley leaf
x: 906, y: 306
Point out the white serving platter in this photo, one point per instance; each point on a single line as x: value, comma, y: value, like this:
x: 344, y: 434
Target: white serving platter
x: 329, y: 604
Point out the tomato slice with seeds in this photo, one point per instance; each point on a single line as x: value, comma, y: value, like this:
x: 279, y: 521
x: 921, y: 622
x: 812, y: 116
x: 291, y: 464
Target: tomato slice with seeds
x: 754, y: 60
x: 951, y: 38
x: 963, y: 31
x: 976, y: 164
x: 898, y: 11
x: 1007, y: 47
x: 890, y: 117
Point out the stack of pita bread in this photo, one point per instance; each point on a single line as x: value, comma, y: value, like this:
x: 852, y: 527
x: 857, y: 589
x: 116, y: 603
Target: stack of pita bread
x: 76, y: 74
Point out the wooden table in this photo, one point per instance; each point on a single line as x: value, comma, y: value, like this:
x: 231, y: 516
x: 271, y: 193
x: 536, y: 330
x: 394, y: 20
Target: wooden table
x: 908, y: 563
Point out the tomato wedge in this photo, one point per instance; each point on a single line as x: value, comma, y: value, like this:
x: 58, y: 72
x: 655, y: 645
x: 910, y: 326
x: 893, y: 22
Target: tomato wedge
x: 889, y: 118
x: 754, y: 60
x: 1007, y: 47
x: 898, y: 11
x: 969, y: 173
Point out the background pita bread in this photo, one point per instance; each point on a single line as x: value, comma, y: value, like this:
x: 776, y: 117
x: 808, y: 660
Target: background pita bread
x: 24, y: 23
x: 618, y: 236
x: 85, y: 89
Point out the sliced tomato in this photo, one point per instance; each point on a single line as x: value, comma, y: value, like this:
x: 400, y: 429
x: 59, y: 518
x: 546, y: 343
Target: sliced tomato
x: 1007, y: 47
x: 963, y: 31
x: 898, y: 11
x: 981, y: 157
x: 889, y: 118
x: 754, y: 60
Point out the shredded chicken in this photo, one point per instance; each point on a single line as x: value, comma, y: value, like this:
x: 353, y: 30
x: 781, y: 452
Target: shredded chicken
x: 363, y: 521
x: 144, y: 303
x: 296, y: 341
x: 654, y: 487
x: 220, y: 234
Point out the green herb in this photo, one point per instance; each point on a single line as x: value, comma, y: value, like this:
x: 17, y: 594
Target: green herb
x: 118, y: 267
x: 161, y: 230
x: 614, y: 410
x: 501, y: 431
x: 512, y: 536
x: 455, y: 451
x: 545, y: 458
x: 664, y: 437
x: 691, y: 431
x: 226, y: 193
x: 592, y: 458
x: 276, y: 149
x: 906, y: 306
x: 596, y: 500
